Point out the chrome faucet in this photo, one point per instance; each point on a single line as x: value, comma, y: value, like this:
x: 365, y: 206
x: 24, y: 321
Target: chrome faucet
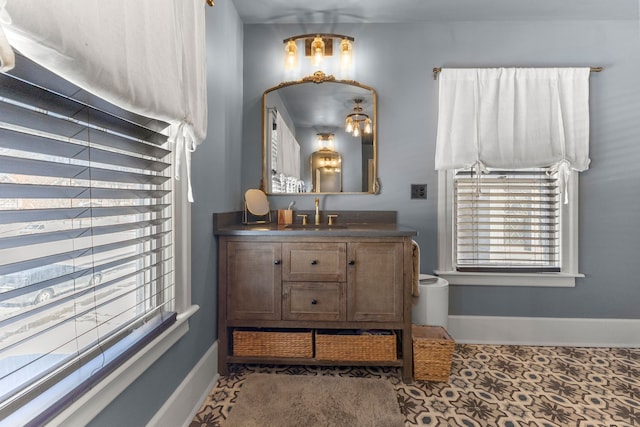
x: 317, y: 213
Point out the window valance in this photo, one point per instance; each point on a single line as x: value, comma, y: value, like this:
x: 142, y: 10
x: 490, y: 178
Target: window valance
x: 146, y: 56
x: 513, y: 118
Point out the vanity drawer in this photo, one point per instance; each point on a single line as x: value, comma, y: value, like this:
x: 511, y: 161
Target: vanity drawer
x: 313, y: 301
x: 314, y: 262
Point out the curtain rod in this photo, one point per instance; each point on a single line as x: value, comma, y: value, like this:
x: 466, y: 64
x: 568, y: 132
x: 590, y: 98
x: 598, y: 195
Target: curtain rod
x: 437, y: 70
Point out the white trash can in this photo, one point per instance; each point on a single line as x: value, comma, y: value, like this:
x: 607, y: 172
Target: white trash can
x: 432, y: 307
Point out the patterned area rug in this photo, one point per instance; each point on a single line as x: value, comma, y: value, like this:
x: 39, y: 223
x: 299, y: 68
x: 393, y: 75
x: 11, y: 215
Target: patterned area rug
x: 505, y: 386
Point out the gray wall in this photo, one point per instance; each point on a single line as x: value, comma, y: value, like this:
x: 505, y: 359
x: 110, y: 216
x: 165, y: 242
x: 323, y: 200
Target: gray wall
x: 397, y: 59
x: 216, y: 186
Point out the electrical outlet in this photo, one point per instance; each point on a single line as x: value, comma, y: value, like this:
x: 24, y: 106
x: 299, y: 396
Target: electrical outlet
x: 418, y: 191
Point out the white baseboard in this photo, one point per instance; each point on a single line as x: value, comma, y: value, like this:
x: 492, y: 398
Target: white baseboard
x: 185, y: 402
x: 545, y: 331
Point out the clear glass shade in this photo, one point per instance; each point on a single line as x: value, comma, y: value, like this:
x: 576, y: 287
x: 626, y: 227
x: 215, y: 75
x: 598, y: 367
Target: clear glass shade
x: 317, y: 51
x: 291, y: 55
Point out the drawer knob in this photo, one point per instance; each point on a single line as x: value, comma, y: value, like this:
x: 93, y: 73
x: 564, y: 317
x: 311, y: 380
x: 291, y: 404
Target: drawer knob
x: 314, y: 301
x: 352, y: 262
x: 314, y: 262
x: 276, y: 262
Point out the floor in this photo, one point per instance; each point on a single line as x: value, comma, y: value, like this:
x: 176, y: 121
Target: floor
x: 505, y: 386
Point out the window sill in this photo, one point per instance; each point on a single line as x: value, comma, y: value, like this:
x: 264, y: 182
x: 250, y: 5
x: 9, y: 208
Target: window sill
x: 99, y: 397
x: 551, y: 280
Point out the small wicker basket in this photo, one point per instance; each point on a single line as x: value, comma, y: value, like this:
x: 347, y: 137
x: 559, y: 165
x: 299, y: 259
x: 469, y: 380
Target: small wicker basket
x: 432, y: 352
x: 273, y: 344
x: 363, y: 347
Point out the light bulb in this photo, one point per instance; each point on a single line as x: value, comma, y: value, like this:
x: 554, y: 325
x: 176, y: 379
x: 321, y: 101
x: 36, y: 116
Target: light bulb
x: 291, y: 55
x: 356, y: 130
x: 317, y: 51
x: 367, y: 125
x: 345, y: 54
x: 349, y: 127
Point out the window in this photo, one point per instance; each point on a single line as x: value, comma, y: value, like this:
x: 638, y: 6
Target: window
x: 507, y: 227
x: 86, y: 240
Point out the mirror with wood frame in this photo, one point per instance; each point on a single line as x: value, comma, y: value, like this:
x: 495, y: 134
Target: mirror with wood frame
x: 305, y: 144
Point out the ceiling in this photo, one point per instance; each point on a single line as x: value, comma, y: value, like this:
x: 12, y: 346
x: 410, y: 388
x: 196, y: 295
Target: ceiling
x: 406, y: 11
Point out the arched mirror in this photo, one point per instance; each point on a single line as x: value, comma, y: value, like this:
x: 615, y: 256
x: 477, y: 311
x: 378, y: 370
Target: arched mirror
x: 306, y: 146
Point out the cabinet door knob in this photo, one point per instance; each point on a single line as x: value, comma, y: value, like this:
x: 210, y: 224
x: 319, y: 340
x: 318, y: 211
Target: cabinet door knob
x: 352, y: 262
x: 314, y: 301
x: 314, y: 262
x: 276, y: 262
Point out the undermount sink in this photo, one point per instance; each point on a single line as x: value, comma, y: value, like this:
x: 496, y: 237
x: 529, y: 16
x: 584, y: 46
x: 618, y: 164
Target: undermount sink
x: 314, y: 226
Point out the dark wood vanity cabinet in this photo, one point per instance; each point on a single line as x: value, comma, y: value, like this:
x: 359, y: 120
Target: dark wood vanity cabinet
x: 314, y: 283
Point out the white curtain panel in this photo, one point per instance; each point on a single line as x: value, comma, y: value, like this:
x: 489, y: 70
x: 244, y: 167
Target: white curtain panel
x: 291, y: 150
x: 147, y: 56
x: 296, y: 159
x: 288, y: 149
x: 513, y: 118
x: 7, y: 57
x: 282, y: 130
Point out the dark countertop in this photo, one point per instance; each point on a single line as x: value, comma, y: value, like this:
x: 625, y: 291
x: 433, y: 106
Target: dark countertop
x: 345, y: 230
x: 229, y: 224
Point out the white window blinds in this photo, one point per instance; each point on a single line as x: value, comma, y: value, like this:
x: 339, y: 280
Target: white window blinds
x: 86, y: 256
x: 507, y: 220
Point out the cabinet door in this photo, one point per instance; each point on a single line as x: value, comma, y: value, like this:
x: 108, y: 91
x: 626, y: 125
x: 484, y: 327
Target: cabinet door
x: 375, y: 281
x: 254, y: 278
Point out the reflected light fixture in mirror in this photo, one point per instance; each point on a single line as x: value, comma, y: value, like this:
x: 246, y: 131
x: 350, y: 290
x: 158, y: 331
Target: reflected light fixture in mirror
x: 326, y: 140
x: 353, y: 120
x: 319, y: 48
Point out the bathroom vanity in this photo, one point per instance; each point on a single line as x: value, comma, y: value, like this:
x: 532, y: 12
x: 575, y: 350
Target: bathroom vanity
x: 345, y: 286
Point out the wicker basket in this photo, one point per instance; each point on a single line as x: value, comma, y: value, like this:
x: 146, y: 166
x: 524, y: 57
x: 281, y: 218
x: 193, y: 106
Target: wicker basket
x: 273, y: 344
x: 432, y: 353
x: 364, y: 347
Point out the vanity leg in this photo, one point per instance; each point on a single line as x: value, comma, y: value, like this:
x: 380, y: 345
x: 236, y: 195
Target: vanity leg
x: 407, y: 355
x: 223, y: 330
x: 223, y: 352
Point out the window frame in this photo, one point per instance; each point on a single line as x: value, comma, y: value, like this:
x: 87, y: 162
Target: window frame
x: 568, y: 244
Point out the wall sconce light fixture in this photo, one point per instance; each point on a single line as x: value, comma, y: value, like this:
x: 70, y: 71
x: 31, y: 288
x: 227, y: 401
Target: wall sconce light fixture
x: 319, y: 48
x: 353, y: 121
